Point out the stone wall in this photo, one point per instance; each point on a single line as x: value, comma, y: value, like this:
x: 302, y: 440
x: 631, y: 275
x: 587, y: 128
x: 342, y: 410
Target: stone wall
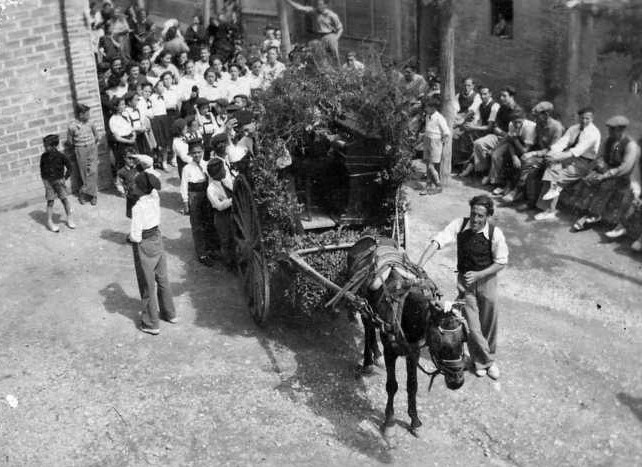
x: 45, y: 66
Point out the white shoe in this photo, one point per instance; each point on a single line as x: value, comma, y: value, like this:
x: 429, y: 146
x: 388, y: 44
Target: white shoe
x: 498, y: 191
x: 485, y: 180
x: 617, y: 232
x: 545, y: 216
x: 481, y: 372
x: 637, y: 245
x: 493, y: 371
x: 552, y: 193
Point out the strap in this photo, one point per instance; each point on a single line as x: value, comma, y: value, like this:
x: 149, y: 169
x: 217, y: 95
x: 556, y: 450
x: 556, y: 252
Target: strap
x: 463, y: 225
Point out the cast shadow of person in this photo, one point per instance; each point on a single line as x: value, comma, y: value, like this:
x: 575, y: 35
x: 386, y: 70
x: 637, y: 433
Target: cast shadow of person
x: 40, y: 217
x: 324, y: 349
x: 115, y: 300
x: 633, y: 403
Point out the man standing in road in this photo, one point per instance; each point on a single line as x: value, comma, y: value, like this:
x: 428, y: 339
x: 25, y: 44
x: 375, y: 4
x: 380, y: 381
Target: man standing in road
x: 481, y: 253
x: 326, y: 25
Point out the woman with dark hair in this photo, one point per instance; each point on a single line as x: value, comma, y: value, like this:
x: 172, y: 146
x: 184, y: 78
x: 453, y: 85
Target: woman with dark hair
x: 481, y: 253
x: 180, y: 62
x: 164, y: 63
x: 241, y: 61
x: 121, y: 130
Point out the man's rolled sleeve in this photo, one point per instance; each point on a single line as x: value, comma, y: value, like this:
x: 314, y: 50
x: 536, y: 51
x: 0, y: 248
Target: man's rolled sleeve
x: 449, y: 234
x: 499, y: 247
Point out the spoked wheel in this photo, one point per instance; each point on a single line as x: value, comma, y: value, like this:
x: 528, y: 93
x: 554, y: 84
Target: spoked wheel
x: 252, y: 265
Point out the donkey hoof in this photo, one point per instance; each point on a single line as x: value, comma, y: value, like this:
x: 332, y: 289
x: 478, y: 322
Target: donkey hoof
x: 415, y: 423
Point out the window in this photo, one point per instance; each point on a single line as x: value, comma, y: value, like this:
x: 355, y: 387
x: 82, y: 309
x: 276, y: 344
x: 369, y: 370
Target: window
x: 502, y: 18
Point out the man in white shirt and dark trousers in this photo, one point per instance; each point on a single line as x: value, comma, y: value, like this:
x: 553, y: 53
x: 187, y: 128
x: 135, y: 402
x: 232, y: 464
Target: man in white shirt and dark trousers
x: 569, y: 160
x: 437, y: 134
x: 149, y: 258
x: 193, y: 192
x: 219, y: 193
x: 481, y: 253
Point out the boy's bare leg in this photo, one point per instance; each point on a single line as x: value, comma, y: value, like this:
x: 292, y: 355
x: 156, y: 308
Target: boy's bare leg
x: 50, y: 223
x: 70, y: 222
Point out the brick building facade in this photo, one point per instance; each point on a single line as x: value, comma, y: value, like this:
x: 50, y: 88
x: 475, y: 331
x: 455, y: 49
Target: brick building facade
x: 46, y: 66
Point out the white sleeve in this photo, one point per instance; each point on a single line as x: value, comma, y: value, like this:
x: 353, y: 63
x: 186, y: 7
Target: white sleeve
x: 136, y: 230
x: 449, y: 234
x: 499, y: 247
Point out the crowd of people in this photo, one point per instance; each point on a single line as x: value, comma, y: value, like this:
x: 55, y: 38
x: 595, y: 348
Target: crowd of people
x: 529, y: 159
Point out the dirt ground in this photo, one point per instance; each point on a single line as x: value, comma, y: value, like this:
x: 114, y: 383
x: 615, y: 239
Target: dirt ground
x: 216, y: 390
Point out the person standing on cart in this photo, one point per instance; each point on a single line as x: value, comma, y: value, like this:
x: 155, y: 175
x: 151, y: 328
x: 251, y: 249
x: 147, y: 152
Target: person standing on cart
x: 219, y: 194
x: 481, y: 253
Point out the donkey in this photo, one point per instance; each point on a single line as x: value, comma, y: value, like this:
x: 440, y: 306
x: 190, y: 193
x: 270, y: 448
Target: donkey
x: 405, y: 304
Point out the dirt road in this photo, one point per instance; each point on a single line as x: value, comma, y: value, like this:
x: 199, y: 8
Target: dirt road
x: 215, y: 390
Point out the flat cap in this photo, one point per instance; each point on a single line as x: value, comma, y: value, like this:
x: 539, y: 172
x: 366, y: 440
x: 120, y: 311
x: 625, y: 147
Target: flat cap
x: 222, y: 101
x: 617, y: 121
x: 202, y: 101
x: 543, y: 106
x: 51, y: 140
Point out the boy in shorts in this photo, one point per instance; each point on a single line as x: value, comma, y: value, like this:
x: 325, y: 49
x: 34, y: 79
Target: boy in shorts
x: 437, y: 134
x: 55, y: 169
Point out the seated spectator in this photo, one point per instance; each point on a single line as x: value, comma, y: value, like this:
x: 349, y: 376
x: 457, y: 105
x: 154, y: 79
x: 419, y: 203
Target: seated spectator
x: 255, y: 78
x: 164, y: 63
x: 547, y: 132
x: 467, y: 103
x: 201, y: 66
x: 235, y: 85
x: 195, y: 37
x: 636, y: 204
x: 506, y: 158
x: 605, y: 193
x: 474, y: 130
x: 569, y: 160
x: 273, y: 69
x: 352, y: 64
x: 412, y: 85
x: 484, y: 146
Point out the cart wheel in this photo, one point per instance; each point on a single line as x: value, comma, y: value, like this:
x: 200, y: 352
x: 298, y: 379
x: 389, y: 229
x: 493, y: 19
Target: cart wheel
x: 252, y: 266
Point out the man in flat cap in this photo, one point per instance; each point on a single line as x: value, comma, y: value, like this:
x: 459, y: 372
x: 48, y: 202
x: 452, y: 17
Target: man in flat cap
x: 149, y: 258
x: 604, y: 194
x: 531, y: 165
x: 569, y: 160
x: 82, y: 146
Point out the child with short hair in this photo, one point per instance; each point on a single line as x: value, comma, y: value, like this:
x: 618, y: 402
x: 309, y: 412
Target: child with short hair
x: 436, y: 135
x: 55, y: 169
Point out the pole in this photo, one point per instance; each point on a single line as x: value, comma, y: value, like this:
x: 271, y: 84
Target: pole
x: 447, y: 66
x: 207, y: 12
x: 286, y: 44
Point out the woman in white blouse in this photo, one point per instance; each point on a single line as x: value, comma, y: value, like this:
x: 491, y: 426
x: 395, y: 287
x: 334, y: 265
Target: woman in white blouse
x: 236, y: 86
x: 122, y: 132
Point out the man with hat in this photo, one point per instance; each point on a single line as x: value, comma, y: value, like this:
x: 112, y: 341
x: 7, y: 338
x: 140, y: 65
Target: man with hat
x: 530, y: 166
x: 219, y: 194
x: 569, y: 160
x: 604, y: 194
x: 193, y: 193
x: 149, y: 258
x: 81, y: 144
x: 481, y: 253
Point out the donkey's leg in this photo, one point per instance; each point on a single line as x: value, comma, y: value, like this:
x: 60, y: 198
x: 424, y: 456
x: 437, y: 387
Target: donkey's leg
x: 391, y: 384
x: 369, y: 340
x: 412, y: 360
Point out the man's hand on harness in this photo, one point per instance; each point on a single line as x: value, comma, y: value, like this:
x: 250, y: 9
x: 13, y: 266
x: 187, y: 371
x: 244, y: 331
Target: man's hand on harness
x: 471, y: 277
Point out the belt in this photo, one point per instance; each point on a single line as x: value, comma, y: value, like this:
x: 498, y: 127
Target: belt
x: 84, y: 145
x: 150, y: 232
x: 197, y: 187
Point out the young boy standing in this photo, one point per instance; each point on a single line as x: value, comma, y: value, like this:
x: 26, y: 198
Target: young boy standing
x: 82, y: 141
x: 55, y: 169
x: 436, y: 135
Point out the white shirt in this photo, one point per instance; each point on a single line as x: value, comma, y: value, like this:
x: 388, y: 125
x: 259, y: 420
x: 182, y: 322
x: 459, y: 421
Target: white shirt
x: 172, y: 97
x: 272, y: 72
x: 120, y: 126
x: 254, y: 81
x: 192, y: 173
x: 436, y: 126
x: 185, y: 85
x: 145, y: 108
x: 199, y: 69
x: 158, y: 105
x: 588, y: 143
x: 180, y: 148
x: 499, y: 247
x: 209, y: 92
x: 135, y: 119
x: 145, y: 215
x: 234, y: 88
x: 526, y: 133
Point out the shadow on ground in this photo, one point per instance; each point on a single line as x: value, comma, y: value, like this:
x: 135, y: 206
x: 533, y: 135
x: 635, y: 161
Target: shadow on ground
x: 633, y: 403
x: 117, y: 301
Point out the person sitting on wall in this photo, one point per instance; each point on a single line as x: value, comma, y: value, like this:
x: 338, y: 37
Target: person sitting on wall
x: 412, y: 84
x: 635, y: 208
x: 506, y: 158
x: 547, y: 132
x: 605, y: 194
x: 474, y: 130
x: 467, y: 102
x: 484, y: 146
x: 569, y: 160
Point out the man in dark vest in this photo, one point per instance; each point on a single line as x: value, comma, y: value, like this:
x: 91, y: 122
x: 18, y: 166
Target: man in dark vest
x: 481, y: 253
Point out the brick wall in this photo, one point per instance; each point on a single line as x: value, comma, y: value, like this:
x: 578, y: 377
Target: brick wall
x: 37, y: 62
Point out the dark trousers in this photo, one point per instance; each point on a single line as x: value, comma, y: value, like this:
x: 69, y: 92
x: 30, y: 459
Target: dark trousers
x: 223, y: 226
x: 481, y: 315
x: 200, y: 218
x: 530, y: 178
x: 153, y: 282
